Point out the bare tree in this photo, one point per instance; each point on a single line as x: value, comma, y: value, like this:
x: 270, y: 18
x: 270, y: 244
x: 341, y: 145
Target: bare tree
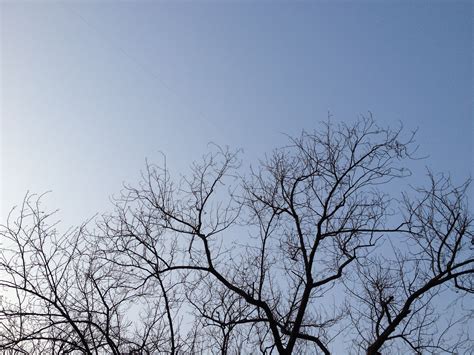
x: 58, y: 297
x: 306, y: 252
x: 403, y: 288
x: 265, y: 254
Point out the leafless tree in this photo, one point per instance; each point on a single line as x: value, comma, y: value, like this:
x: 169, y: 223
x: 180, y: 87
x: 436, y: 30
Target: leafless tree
x: 57, y: 297
x: 305, y: 253
x: 267, y: 255
x: 402, y: 290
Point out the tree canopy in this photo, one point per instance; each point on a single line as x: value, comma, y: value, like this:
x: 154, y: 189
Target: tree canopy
x: 313, y: 250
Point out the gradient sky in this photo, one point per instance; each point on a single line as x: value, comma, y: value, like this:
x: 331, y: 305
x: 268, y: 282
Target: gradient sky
x: 89, y: 89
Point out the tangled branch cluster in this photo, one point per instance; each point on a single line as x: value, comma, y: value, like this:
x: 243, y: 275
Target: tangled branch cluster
x: 309, y: 252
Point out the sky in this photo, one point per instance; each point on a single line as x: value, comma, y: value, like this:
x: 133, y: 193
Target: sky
x: 89, y: 89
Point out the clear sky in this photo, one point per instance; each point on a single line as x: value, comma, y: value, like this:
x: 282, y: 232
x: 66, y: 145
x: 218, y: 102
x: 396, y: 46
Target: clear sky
x: 91, y: 88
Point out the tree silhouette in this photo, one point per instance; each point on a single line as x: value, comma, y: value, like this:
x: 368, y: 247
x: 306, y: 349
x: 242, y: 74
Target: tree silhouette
x: 309, y: 249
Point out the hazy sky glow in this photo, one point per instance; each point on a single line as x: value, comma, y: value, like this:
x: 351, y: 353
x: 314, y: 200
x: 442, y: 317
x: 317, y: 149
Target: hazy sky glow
x: 89, y: 89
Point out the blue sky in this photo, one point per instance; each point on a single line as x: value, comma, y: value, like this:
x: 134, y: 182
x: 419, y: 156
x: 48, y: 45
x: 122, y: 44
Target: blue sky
x: 89, y: 89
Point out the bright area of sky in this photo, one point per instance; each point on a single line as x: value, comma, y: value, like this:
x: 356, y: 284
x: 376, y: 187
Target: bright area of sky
x: 89, y: 89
